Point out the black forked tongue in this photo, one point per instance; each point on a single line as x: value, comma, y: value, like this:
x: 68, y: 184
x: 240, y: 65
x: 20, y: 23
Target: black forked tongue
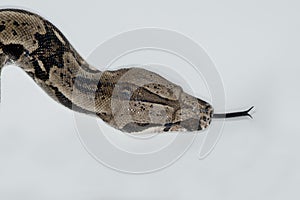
x: 234, y: 114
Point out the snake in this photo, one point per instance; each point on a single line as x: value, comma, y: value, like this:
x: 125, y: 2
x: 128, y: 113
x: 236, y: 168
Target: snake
x: 129, y: 99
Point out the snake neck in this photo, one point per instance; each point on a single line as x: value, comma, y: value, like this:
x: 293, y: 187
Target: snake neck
x: 42, y: 51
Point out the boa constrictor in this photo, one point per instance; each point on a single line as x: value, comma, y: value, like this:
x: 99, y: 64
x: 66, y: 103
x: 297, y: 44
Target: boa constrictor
x: 129, y: 99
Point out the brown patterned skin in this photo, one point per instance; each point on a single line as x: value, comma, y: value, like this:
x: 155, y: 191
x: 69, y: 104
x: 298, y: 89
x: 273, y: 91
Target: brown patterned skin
x: 129, y: 99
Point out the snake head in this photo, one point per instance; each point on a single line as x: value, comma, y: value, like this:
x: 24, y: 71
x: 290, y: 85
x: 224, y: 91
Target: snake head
x: 143, y: 101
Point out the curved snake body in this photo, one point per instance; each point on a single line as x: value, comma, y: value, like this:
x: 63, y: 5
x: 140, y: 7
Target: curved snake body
x: 129, y: 99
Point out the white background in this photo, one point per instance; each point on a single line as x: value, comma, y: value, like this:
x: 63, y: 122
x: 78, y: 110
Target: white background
x: 255, y: 45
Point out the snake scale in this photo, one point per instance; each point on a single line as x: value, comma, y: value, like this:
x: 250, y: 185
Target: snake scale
x: 128, y: 99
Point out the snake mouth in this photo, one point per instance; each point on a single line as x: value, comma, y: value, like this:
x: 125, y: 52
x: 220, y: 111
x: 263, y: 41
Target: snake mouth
x: 186, y: 125
x: 191, y: 124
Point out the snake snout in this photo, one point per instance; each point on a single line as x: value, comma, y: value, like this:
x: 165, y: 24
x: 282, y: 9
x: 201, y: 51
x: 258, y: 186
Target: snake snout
x: 205, y: 116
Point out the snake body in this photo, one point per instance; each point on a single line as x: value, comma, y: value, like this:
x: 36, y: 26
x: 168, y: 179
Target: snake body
x: 128, y: 99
